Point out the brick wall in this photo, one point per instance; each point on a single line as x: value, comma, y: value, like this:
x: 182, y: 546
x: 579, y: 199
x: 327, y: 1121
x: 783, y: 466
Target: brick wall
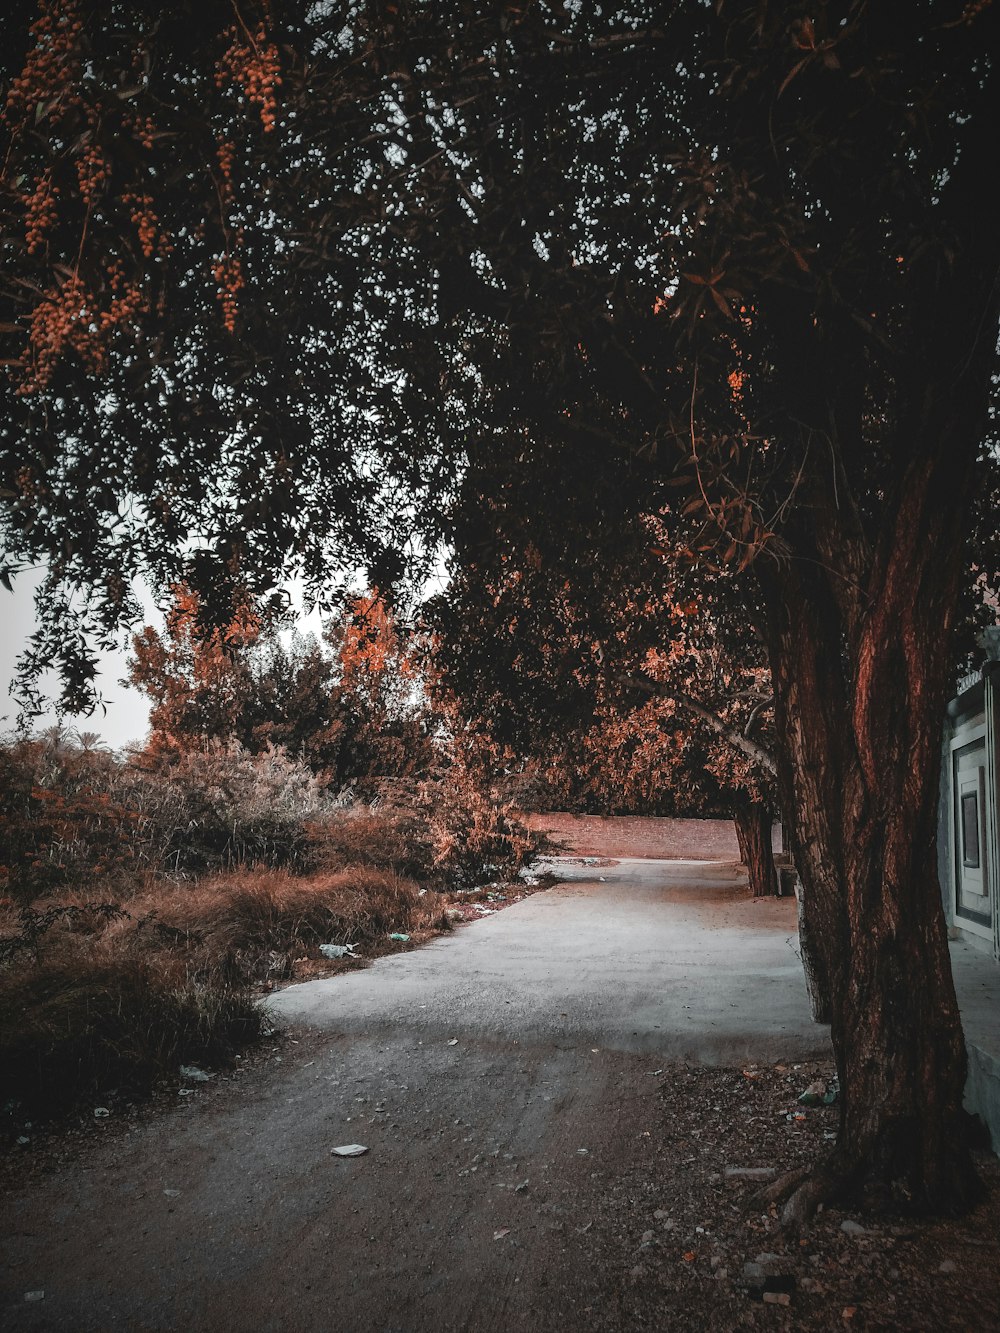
x: 627, y: 835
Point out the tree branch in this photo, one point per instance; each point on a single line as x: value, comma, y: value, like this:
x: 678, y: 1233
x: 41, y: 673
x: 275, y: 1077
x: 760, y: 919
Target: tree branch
x: 712, y: 720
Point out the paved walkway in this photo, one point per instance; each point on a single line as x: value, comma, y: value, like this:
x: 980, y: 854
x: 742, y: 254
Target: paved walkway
x: 667, y: 957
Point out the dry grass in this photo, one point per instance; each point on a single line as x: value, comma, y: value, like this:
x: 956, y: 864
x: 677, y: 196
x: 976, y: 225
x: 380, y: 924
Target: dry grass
x: 253, y: 925
x: 93, y: 1001
x: 87, y: 1022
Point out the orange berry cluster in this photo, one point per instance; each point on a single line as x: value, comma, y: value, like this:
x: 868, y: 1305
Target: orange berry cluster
x: 228, y: 273
x: 40, y: 212
x: 144, y: 220
x: 92, y: 171
x: 126, y: 300
x: 61, y: 321
x: 51, y: 73
x: 253, y: 64
x: 225, y: 152
x: 24, y: 480
x: 67, y: 319
x: 145, y: 129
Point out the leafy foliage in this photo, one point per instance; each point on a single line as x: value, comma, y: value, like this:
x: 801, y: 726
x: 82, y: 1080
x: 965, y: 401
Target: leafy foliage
x: 351, y: 707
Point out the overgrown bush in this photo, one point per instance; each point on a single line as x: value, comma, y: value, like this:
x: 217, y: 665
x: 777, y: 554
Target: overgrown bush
x: 222, y: 806
x: 446, y: 831
x: 143, y: 899
x: 93, y: 1020
x: 61, y: 821
x: 81, y: 819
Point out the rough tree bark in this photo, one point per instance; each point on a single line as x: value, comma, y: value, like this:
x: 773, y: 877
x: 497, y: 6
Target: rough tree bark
x: 861, y: 728
x: 813, y: 965
x: 753, y: 833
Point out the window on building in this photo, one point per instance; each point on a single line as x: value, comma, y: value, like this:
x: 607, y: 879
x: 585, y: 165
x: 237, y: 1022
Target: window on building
x: 970, y: 830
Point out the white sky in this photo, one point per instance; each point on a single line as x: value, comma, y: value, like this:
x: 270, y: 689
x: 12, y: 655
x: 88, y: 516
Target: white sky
x: 127, y: 715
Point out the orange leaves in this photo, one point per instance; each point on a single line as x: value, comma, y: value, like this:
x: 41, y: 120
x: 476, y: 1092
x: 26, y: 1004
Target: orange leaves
x: 370, y: 646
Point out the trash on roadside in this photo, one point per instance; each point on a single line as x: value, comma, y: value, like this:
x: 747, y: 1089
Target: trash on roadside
x: 349, y: 1150
x: 172, y: 1194
x: 22, y: 1140
x: 195, y: 1075
x: 653, y: 1073
x: 338, y: 950
x: 501, y: 1232
x: 100, y: 1112
x: 519, y: 1189
x: 814, y: 1094
x: 185, y: 1092
x: 398, y: 935
x: 32, y: 1296
x: 453, y: 1041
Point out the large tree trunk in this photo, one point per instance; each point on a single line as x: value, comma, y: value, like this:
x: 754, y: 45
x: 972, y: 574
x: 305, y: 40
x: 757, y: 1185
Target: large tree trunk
x: 860, y: 729
x: 753, y: 833
x: 813, y: 962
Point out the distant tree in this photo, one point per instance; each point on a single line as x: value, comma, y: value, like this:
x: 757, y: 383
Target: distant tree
x: 643, y: 694
x: 352, y: 707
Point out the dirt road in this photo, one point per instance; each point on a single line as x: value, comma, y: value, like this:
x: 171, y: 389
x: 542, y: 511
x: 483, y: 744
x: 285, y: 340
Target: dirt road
x: 505, y: 1082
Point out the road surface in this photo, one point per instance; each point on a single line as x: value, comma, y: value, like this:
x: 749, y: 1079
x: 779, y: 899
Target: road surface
x: 500, y: 1078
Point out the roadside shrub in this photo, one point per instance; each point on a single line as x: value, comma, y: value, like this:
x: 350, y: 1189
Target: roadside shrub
x: 60, y: 825
x: 446, y: 831
x: 391, y: 833
x: 476, y: 837
x: 223, y: 806
x: 253, y: 925
x: 86, y: 1022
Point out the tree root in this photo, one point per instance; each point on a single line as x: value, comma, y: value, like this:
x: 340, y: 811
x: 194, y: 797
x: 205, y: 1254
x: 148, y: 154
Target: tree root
x: 800, y: 1192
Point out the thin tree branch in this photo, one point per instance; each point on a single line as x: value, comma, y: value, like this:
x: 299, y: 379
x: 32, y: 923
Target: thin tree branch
x: 712, y: 720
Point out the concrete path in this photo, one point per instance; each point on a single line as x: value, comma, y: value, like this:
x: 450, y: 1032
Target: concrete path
x: 666, y: 957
